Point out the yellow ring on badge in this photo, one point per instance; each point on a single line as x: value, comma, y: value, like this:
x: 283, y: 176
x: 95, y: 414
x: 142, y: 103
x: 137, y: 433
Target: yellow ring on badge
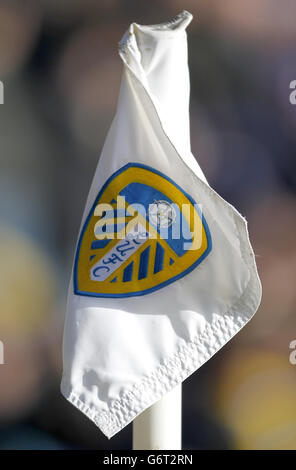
x: 106, y: 268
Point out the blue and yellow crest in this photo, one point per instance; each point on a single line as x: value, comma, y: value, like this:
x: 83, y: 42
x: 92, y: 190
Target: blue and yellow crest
x: 142, y: 233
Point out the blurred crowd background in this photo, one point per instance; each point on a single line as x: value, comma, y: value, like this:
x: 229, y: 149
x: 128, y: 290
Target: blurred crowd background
x: 61, y: 75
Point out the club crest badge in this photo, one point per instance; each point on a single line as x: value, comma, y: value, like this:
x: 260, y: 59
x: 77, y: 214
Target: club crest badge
x: 142, y: 233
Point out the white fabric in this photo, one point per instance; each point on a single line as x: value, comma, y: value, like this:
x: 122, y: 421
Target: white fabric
x: 123, y: 354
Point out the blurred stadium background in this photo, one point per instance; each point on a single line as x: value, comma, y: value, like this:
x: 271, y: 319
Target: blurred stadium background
x: 61, y: 75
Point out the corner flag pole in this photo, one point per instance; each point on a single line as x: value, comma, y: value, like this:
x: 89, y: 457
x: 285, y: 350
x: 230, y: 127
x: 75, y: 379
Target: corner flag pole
x: 160, y: 426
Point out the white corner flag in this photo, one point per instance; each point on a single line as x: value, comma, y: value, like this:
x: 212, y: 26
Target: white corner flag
x: 164, y: 274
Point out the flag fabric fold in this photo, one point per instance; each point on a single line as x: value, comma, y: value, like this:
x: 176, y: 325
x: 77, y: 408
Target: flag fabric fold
x: 164, y: 274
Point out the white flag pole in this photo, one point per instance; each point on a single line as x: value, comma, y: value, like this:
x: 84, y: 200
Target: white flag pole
x: 160, y: 426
